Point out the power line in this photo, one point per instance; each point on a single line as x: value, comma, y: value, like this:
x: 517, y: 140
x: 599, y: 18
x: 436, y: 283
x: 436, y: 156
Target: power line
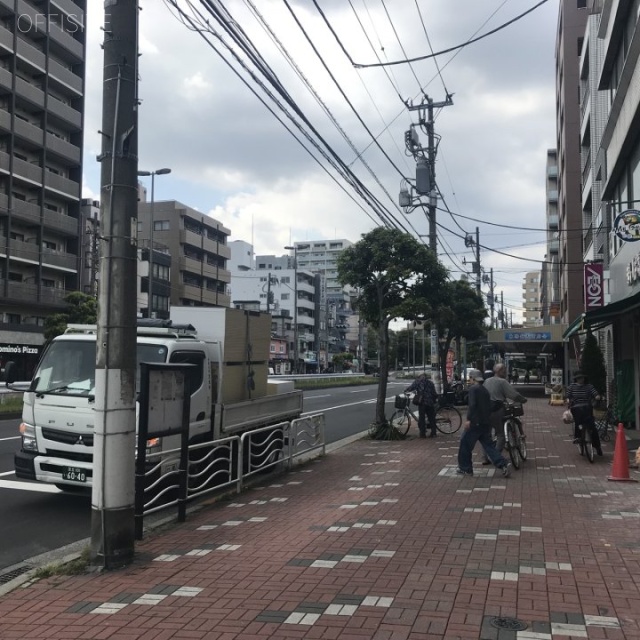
x: 439, y: 53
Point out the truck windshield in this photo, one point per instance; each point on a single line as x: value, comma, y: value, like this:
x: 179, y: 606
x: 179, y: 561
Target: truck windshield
x: 68, y: 367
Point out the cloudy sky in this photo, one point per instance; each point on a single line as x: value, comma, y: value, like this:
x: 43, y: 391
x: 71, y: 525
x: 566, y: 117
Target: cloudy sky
x: 232, y: 158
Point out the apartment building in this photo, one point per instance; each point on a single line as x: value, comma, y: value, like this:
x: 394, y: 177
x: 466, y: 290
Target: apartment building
x: 42, y: 84
x: 572, y: 19
x: 531, y: 299
x: 197, y: 244
x: 549, y: 278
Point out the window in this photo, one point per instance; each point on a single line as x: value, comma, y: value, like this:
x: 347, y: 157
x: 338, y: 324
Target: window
x: 161, y: 225
x: 284, y: 296
x: 159, y: 303
x: 13, y: 318
x: 196, y: 373
x: 582, y: 4
x: 16, y: 236
x: 160, y: 271
x: 47, y: 244
x: 48, y: 283
x: 272, y: 348
x: 139, y: 227
x: 285, y: 280
x: 15, y: 277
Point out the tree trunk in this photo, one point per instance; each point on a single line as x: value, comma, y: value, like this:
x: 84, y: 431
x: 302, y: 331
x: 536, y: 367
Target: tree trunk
x: 383, y: 351
x: 444, y: 350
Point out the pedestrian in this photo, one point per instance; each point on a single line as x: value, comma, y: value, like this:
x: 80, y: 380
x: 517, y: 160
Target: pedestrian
x: 477, y: 427
x: 426, y: 397
x: 488, y: 369
x: 580, y: 394
x: 526, y: 377
x: 500, y: 391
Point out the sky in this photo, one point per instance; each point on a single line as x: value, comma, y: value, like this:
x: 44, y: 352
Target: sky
x: 231, y: 158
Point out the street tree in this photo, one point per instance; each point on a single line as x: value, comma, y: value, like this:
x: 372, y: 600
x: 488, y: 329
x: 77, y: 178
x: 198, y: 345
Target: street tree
x: 461, y: 315
x: 394, y: 275
x: 593, y: 364
x: 81, y: 309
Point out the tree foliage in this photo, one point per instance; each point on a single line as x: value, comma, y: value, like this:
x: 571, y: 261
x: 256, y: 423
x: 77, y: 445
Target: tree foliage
x: 593, y: 365
x: 395, y: 276
x: 461, y: 315
x: 81, y: 309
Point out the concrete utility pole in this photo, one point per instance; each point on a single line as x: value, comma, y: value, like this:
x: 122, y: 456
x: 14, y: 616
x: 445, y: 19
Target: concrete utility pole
x: 432, y: 204
x: 502, y: 309
x: 477, y: 265
x: 112, y: 502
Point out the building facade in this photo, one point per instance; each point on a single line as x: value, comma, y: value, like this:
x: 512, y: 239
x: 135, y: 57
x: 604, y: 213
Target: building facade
x: 197, y: 244
x: 531, y: 299
x: 549, y: 278
x: 572, y: 19
x: 42, y: 85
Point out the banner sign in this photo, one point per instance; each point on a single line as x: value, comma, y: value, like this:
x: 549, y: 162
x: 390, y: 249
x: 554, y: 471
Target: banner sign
x: 627, y: 225
x: 512, y: 336
x: 593, y: 286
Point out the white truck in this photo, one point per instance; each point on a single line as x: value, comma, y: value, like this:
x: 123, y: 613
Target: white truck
x: 230, y: 388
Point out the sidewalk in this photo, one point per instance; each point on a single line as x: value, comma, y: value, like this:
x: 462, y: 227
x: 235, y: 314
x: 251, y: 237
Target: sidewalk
x: 377, y: 540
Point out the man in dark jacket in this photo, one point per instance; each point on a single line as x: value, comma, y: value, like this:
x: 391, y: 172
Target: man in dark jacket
x: 477, y: 427
x: 427, y: 395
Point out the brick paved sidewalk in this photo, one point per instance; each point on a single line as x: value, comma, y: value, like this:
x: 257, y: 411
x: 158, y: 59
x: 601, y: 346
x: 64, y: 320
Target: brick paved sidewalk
x: 378, y: 540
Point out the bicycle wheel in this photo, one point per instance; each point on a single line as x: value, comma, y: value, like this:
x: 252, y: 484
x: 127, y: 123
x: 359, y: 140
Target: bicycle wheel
x: 522, y: 440
x: 511, y: 442
x: 401, y: 420
x: 588, y: 445
x: 448, y: 419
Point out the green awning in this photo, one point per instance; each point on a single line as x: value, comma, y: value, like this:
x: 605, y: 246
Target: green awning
x: 608, y: 313
x: 574, y: 327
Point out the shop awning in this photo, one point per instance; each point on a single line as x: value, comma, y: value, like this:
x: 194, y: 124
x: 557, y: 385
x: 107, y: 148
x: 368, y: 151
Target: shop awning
x: 574, y: 327
x: 607, y: 314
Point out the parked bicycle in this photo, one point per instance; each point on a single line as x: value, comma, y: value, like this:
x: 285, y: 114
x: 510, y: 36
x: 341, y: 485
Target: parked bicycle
x: 514, y: 436
x: 448, y: 418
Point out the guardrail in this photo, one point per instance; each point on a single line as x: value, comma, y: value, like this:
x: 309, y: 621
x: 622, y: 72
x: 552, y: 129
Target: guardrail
x: 223, y: 464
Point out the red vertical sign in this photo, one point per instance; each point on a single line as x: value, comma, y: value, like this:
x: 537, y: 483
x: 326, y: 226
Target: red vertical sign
x: 593, y: 286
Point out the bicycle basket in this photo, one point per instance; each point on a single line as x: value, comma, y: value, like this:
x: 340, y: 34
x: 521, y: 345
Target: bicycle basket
x: 402, y: 402
x: 514, y: 410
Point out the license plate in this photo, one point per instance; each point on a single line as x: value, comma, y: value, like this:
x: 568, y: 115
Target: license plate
x: 75, y: 474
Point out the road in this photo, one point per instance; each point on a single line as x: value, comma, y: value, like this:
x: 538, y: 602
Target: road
x: 35, y: 518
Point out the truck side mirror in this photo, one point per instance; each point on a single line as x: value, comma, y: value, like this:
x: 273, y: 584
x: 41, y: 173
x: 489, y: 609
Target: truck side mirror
x: 10, y: 372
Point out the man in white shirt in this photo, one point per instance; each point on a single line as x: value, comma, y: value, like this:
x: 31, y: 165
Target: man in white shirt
x: 500, y: 390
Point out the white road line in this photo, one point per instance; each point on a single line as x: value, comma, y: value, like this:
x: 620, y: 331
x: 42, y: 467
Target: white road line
x: 348, y: 404
x: 25, y: 486
x: 11, y: 438
x: 358, y: 390
x: 327, y: 395
x: 7, y: 473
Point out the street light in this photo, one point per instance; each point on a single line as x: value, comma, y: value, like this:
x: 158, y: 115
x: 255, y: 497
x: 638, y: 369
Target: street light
x: 153, y: 174
x: 295, y: 306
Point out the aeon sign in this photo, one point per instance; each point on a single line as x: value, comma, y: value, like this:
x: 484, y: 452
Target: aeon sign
x: 593, y: 286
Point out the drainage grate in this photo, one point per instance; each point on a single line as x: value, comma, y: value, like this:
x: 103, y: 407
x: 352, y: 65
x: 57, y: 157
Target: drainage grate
x: 508, y: 623
x: 10, y: 575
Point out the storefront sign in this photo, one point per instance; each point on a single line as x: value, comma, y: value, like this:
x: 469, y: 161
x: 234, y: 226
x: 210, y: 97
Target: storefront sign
x: 627, y: 225
x: 513, y: 336
x: 18, y: 349
x: 593, y: 286
x: 633, y: 270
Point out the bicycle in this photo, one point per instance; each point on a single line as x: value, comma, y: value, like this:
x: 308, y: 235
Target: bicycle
x: 448, y: 418
x: 585, y: 444
x: 606, y: 422
x: 514, y: 436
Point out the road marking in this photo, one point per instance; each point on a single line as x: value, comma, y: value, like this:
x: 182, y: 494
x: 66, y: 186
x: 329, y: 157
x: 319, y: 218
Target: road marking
x: 348, y: 404
x: 358, y: 390
x: 328, y: 395
x: 25, y: 486
x: 11, y: 438
x: 7, y: 473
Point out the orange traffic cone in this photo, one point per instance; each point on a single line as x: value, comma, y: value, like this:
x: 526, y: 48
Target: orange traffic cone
x: 621, y: 458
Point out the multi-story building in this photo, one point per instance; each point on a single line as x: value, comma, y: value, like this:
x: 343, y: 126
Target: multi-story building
x: 549, y: 278
x: 569, y: 39
x: 614, y: 81
x: 197, y: 244
x: 531, y: 299
x: 42, y: 84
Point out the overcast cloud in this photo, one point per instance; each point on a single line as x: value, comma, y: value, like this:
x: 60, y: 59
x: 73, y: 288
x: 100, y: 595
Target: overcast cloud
x: 231, y: 158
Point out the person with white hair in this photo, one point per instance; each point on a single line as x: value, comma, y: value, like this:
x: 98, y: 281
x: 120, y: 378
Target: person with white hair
x: 500, y: 391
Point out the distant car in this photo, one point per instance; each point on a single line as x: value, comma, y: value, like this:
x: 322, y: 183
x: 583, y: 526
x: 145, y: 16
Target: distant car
x: 470, y: 373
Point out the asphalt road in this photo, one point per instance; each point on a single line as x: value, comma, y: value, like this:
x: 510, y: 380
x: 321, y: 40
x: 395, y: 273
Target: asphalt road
x: 36, y: 518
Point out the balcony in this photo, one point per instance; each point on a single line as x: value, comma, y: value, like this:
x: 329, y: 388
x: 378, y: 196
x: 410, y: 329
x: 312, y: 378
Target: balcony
x: 30, y: 252
x: 30, y: 213
x: 29, y: 292
x: 553, y: 246
x: 66, y: 41
x: 65, y: 113
x: 204, y: 296
x: 70, y: 8
x: 552, y: 221
x: 65, y: 77
x: 24, y: 90
x: 63, y: 149
x: 27, y: 171
x: 62, y: 185
x: 26, y: 131
x: 552, y: 195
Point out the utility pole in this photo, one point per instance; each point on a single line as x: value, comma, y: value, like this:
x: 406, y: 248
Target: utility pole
x: 491, y: 299
x: 112, y: 501
x: 502, y: 308
x: 426, y: 185
x: 477, y: 264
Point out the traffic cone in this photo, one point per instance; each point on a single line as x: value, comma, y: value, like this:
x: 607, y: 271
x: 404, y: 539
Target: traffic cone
x: 621, y: 458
